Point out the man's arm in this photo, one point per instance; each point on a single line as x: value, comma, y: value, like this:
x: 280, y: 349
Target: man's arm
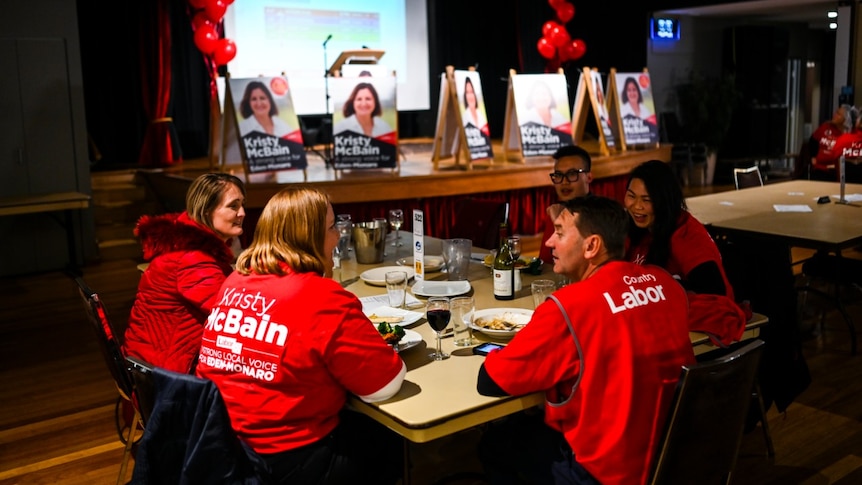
x: 486, y: 386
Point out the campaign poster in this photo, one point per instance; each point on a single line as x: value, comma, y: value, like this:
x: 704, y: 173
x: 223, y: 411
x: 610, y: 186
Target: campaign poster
x: 601, y: 108
x: 365, y: 122
x: 542, y: 110
x: 637, y: 109
x: 267, y: 123
x: 468, y: 87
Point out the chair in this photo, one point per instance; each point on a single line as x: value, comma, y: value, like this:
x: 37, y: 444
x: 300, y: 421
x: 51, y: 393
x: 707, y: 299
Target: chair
x: 114, y: 358
x: 188, y: 437
x: 479, y: 221
x: 690, y: 159
x: 839, y: 273
x: 744, y: 178
x: 705, y: 423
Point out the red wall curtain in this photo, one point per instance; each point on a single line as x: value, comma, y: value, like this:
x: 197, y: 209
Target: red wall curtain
x: 160, y: 146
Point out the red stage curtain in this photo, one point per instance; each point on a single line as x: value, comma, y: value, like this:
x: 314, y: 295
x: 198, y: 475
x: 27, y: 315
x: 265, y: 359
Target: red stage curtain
x: 160, y: 146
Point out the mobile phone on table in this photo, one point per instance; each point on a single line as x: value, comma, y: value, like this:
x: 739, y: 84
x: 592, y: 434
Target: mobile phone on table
x: 486, y: 348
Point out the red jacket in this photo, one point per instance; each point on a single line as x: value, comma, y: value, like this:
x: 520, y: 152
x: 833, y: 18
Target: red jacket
x: 188, y: 264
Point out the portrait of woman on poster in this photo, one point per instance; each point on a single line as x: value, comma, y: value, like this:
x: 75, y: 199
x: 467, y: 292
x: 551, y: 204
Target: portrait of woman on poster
x: 542, y: 107
x: 600, y: 100
x: 633, y: 102
x: 472, y: 114
x: 260, y: 112
x: 362, y: 113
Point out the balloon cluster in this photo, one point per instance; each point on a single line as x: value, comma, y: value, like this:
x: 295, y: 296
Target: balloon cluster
x: 556, y: 44
x: 208, y: 14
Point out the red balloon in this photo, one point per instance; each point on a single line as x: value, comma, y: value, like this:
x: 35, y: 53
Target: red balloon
x: 559, y: 36
x: 196, y: 4
x: 224, y: 52
x: 215, y: 9
x: 549, y: 25
x: 206, y: 38
x: 579, y: 48
x: 555, y: 3
x: 199, y: 19
x: 546, y: 49
x: 565, y: 12
x: 567, y: 52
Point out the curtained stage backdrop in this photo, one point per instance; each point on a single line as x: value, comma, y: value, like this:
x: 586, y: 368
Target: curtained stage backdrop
x: 493, y: 35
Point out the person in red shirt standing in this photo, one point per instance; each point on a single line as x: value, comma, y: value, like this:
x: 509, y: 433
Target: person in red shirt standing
x: 285, y: 344
x: 607, y: 350
x: 821, y: 145
x: 571, y: 178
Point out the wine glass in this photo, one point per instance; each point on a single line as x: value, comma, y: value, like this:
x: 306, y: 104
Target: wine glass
x: 396, y: 219
x: 438, y: 314
x: 515, y: 247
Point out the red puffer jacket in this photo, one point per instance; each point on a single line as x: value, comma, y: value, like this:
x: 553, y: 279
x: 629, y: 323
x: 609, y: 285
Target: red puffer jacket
x: 188, y: 264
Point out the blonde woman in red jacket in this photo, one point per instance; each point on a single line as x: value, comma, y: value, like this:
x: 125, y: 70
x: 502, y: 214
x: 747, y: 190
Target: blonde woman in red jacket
x: 190, y: 256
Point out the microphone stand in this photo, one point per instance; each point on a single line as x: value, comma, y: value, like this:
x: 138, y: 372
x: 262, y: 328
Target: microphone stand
x: 327, y: 121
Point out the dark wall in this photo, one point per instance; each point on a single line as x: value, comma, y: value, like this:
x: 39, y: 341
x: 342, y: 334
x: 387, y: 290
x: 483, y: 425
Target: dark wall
x: 495, y: 36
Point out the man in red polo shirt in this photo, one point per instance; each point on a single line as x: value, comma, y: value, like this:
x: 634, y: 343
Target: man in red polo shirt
x: 607, y: 351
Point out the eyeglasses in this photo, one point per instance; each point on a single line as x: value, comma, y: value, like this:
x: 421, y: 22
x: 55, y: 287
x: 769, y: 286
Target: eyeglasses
x: 572, y: 176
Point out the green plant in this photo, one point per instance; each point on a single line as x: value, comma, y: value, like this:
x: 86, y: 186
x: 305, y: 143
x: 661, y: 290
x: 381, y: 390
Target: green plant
x: 706, y: 107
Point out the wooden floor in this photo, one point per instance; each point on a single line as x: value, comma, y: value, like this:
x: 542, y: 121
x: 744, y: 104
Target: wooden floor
x: 57, y: 398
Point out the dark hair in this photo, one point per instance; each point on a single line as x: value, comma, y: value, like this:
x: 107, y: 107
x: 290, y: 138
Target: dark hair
x: 631, y: 80
x: 574, y: 151
x: 668, y: 204
x: 602, y: 216
x: 348, y: 105
x: 245, y: 105
x: 470, y: 82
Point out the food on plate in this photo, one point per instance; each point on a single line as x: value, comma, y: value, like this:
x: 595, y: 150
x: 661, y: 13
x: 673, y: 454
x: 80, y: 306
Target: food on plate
x: 489, y: 260
x: 384, y: 318
x: 506, y: 321
x: 392, y: 334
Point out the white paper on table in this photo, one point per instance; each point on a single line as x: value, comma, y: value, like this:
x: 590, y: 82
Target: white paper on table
x: 418, y: 245
x: 371, y: 302
x: 792, y: 208
x: 849, y: 197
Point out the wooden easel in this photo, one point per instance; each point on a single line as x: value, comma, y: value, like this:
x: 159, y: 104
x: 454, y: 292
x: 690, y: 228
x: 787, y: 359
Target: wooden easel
x: 586, y: 97
x: 450, y: 140
x: 358, y: 56
x: 614, y: 111
x: 512, y: 147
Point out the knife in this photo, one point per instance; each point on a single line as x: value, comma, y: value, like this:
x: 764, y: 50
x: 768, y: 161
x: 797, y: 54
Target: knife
x: 346, y: 283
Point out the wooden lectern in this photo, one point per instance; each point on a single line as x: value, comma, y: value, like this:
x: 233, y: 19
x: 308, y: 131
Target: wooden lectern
x: 358, y: 56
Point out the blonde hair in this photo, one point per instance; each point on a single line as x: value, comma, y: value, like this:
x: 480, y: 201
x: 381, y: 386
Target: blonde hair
x: 205, y: 194
x: 291, y: 230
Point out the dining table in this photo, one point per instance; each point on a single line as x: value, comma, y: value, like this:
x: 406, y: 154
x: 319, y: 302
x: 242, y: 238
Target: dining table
x: 439, y: 398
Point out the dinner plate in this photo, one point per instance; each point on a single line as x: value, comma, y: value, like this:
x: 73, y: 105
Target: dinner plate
x: 411, y: 339
x: 432, y: 263
x: 514, y: 315
x: 409, y: 317
x: 377, y: 276
x: 441, y: 288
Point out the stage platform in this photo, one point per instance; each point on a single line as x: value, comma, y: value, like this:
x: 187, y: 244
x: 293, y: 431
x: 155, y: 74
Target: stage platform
x: 366, y: 194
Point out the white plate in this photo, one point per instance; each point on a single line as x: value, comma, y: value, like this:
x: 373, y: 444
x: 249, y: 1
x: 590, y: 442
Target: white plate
x: 377, y: 276
x: 411, y: 339
x: 387, y: 311
x: 432, y: 263
x: 522, y: 268
x: 441, y: 288
x: 520, y: 315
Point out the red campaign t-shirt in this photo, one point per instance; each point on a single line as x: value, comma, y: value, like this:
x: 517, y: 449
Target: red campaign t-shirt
x: 690, y: 246
x: 631, y: 322
x: 850, y: 145
x: 284, y: 351
x: 827, y: 135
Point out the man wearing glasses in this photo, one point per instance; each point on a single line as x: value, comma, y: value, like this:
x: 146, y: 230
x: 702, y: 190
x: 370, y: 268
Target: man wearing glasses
x: 571, y: 178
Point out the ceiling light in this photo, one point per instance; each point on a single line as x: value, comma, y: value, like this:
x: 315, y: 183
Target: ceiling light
x: 833, y: 25
x: 832, y: 14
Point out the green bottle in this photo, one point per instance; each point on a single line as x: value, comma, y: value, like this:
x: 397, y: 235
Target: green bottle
x: 504, y: 268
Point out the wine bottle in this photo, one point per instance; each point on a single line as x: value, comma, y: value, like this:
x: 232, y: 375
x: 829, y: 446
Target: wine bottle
x: 504, y: 268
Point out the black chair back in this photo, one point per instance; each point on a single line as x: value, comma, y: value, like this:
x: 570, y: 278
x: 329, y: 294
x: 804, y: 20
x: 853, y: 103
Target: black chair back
x: 107, y: 337
x: 707, y: 416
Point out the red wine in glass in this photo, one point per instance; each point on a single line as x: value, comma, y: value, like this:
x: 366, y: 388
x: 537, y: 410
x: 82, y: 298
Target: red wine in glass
x: 437, y: 313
